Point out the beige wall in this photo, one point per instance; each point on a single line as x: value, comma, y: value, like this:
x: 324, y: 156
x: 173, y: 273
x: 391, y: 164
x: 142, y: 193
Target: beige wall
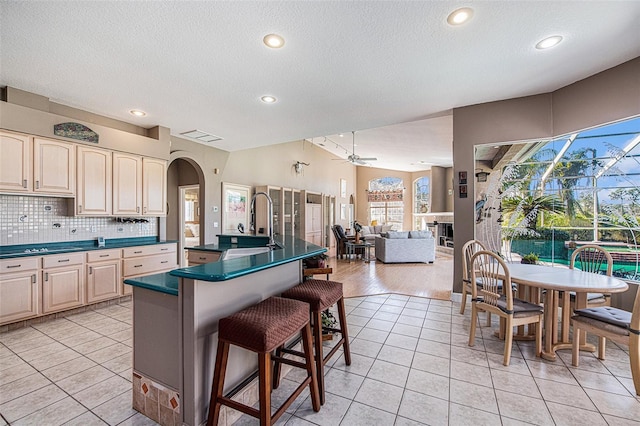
x: 605, y: 97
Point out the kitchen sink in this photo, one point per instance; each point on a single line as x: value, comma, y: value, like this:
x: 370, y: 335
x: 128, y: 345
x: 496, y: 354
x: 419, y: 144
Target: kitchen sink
x: 242, y: 252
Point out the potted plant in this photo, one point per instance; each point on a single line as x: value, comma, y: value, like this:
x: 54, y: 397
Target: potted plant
x: 357, y: 228
x: 530, y: 259
x: 328, y: 321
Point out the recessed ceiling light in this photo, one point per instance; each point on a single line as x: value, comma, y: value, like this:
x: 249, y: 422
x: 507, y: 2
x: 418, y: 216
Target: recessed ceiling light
x: 460, y: 16
x: 273, y: 40
x: 137, y: 113
x: 268, y: 99
x: 549, y: 42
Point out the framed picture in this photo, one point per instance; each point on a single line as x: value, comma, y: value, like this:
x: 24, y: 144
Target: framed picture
x: 462, y: 177
x: 236, y: 208
x: 343, y: 188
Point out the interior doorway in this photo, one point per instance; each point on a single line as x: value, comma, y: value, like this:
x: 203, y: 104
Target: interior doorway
x: 189, y: 219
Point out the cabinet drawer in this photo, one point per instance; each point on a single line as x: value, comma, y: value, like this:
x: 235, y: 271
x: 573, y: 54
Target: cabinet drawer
x: 57, y: 260
x: 19, y: 264
x: 101, y: 255
x: 150, y: 264
x: 198, y: 257
x: 148, y: 250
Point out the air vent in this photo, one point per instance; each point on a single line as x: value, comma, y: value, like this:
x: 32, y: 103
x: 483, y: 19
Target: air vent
x: 201, y: 136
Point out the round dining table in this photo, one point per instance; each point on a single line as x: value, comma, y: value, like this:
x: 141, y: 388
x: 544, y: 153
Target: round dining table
x: 556, y: 280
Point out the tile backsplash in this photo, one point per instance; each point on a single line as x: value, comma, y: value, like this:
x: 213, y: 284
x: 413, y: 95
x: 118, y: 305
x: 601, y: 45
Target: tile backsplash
x: 27, y: 219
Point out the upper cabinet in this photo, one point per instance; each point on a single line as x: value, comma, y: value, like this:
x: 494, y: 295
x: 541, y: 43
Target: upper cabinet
x: 154, y: 187
x: 15, y: 162
x: 37, y: 165
x: 54, y: 167
x: 94, y: 194
x: 127, y: 184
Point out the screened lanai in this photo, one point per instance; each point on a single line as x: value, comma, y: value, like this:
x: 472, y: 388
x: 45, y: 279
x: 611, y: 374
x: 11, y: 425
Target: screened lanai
x: 549, y: 197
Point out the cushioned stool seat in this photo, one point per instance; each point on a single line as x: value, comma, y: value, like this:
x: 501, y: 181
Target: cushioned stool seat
x: 261, y: 328
x: 320, y: 295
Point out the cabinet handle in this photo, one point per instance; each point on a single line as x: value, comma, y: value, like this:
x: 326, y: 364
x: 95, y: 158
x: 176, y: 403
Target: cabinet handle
x: 202, y: 258
x: 137, y: 266
x: 90, y: 270
x: 79, y: 209
x: 104, y: 255
x: 24, y: 183
x: 14, y: 266
x: 46, y: 276
x: 37, y: 184
x: 137, y: 209
x: 144, y: 210
x: 137, y: 252
x: 63, y: 260
x: 165, y: 261
x: 165, y: 249
x: 33, y: 279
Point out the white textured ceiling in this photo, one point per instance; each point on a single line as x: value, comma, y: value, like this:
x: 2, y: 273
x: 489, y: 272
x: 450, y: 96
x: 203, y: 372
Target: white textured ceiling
x: 346, y: 65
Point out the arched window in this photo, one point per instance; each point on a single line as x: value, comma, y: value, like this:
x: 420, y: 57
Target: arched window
x: 421, y: 202
x: 386, y: 204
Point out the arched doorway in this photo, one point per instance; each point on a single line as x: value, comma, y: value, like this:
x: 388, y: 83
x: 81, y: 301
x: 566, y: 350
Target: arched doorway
x: 186, y: 212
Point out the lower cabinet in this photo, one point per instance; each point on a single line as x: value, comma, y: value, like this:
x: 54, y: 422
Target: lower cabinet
x: 20, y: 289
x: 147, y: 260
x: 103, y: 275
x: 197, y: 257
x: 63, y: 282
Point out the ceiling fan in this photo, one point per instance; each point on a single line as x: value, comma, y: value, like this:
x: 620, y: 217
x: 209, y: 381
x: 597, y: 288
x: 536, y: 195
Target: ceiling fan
x: 356, y: 159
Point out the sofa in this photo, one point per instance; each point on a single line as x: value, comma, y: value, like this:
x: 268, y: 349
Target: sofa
x: 369, y: 233
x: 405, y: 247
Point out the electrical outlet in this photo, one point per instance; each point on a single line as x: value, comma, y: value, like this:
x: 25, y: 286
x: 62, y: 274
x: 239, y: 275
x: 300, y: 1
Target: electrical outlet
x: 94, y: 228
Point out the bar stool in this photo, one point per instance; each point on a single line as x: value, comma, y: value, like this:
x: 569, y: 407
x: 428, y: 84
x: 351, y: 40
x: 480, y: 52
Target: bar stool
x: 261, y: 328
x: 320, y: 295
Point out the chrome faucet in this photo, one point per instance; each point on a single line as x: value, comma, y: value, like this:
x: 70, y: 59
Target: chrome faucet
x: 272, y: 243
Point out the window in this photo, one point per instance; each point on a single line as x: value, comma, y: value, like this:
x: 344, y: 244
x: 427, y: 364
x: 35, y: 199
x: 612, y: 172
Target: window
x: 386, y: 204
x: 573, y: 190
x: 421, y: 202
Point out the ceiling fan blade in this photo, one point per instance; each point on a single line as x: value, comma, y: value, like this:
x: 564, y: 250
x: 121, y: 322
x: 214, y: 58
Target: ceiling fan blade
x: 368, y: 159
x: 359, y: 161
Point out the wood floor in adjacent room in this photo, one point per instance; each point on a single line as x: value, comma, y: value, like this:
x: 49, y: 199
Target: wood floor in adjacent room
x: 413, y: 279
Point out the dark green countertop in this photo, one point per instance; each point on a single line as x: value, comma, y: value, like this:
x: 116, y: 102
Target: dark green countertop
x: 292, y: 250
x: 8, y: 252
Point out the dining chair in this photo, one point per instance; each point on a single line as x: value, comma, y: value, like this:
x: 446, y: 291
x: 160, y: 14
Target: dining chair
x: 614, y: 324
x: 496, y: 297
x: 468, y: 249
x: 592, y: 258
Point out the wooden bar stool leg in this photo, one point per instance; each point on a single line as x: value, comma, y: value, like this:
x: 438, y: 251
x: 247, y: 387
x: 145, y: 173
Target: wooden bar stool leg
x: 277, y: 368
x: 319, y: 357
x: 218, y: 383
x: 264, y: 390
x: 345, y: 334
x: 311, y: 369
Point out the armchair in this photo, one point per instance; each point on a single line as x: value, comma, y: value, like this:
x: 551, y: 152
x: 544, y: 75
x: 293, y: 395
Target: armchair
x: 341, y: 239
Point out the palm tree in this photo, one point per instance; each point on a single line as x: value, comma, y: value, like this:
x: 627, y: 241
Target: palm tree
x: 530, y: 206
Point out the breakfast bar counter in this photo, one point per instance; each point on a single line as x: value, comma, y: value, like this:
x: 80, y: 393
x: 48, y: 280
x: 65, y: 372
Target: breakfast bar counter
x: 176, y: 321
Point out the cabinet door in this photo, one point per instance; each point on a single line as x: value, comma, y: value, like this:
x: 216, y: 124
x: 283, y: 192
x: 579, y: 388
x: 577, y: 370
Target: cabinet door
x: 154, y: 190
x: 54, y: 167
x: 127, y: 184
x: 103, y: 280
x: 15, y: 162
x: 19, y: 295
x: 94, y: 195
x: 62, y: 288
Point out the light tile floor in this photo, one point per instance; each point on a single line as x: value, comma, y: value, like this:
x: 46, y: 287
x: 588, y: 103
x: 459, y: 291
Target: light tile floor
x: 411, y: 365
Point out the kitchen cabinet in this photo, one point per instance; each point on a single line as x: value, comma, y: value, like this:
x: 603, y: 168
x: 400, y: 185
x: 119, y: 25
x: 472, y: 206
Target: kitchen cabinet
x: 54, y: 167
x: 146, y: 260
x: 94, y: 193
x: 20, y: 289
x: 15, y: 162
x: 198, y: 257
x: 103, y: 275
x: 313, y: 223
x: 63, y: 282
x: 154, y: 190
x: 127, y: 184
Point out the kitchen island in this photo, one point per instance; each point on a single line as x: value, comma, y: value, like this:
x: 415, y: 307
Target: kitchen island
x: 176, y: 321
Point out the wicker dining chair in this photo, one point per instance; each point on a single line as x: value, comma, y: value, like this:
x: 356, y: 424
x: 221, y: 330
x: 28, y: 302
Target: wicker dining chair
x: 496, y: 297
x: 614, y: 324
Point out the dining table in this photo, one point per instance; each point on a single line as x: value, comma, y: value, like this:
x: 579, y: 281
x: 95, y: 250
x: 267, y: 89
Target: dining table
x: 556, y: 280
